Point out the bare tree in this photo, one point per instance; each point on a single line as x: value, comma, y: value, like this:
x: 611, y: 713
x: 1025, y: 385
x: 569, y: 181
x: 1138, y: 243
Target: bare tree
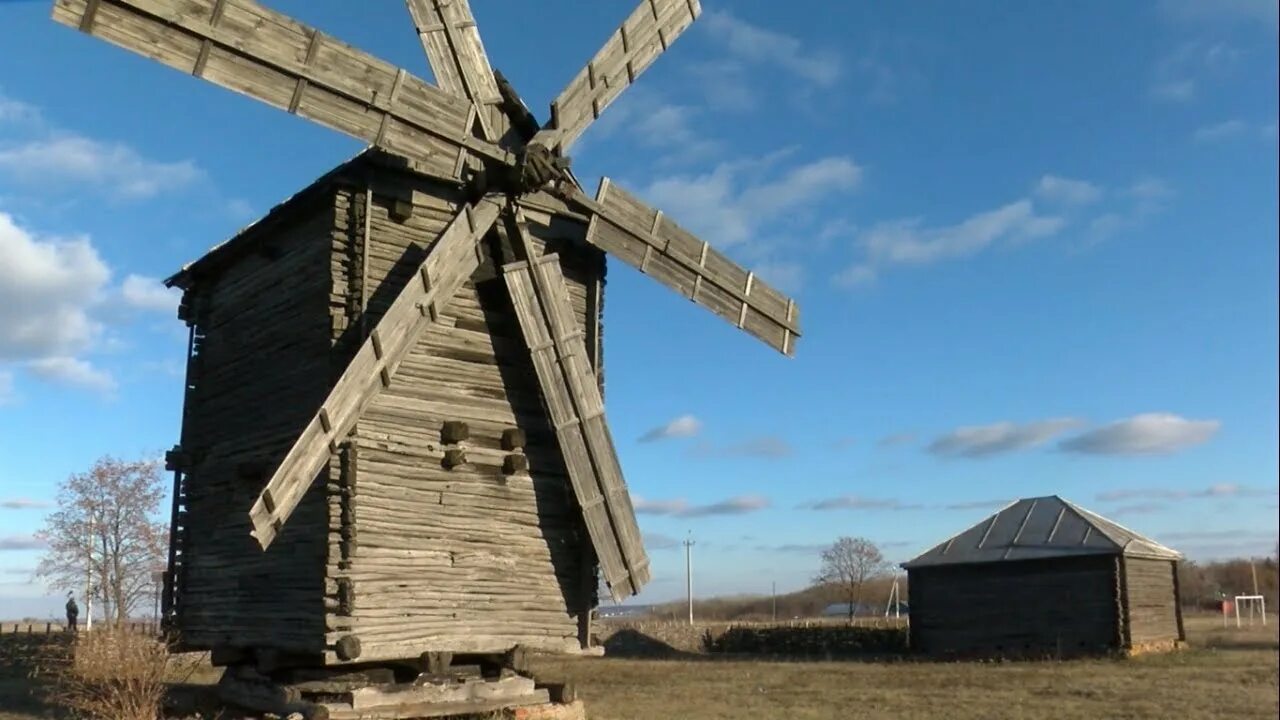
x: 103, y: 533
x: 848, y: 564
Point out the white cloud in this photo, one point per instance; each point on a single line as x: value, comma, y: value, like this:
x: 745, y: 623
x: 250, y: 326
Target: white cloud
x: 1002, y: 437
x: 115, y: 169
x: 725, y: 85
x: 149, y: 294
x: 1234, y: 129
x: 24, y: 504
x: 1254, y: 11
x: 21, y: 542
x: 7, y: 394
x: 16, y: 111
x: 737, y: 201
x: 856, y: 502
x: 785, y: 275
x: 754, y: 44
x: 46, y: 286
x: 740, y: 505
x: 658, y: 541
x: 1220, y: 131
x: 1216, y: 491
x: 896, y: 440
x: 681, y: 427
x: 1179, y: 75
x: 74, y: 372
x: 908, y: 242
x: 1180, y: 91
x: 1146, y: 434
x: 1067, y: 191
x: 654, y: 123
x: 767, y: 446
x: 1145, y: 197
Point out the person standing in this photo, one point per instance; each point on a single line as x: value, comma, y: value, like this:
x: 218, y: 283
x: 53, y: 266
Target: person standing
x: 73, y: 612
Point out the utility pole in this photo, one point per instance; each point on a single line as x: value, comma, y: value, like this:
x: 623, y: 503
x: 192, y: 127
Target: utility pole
x: 773, y: 592
x: 88, y: 577
x: 688, y: 574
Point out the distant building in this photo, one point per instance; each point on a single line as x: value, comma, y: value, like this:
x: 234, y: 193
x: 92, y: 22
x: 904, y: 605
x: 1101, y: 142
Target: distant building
x: 1044, y: 577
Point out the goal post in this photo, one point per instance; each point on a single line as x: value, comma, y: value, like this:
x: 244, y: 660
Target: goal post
x: 1257, y: 607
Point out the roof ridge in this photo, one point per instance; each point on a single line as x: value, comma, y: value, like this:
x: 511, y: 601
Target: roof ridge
x: 1087, y: 517
x: 1133, y: 535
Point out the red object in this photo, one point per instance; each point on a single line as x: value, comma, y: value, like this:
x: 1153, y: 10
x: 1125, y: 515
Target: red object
x: 1227, y: 607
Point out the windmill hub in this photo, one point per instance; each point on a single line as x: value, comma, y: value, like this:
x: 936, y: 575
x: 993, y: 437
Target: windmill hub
x: 536, y: 166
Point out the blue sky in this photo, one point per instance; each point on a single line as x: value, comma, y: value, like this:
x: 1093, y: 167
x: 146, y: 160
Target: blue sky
x: 1034, y: 244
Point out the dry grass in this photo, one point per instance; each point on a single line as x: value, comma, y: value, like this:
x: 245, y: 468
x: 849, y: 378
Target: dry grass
x: 1228, y: 673
x: 109, y: 674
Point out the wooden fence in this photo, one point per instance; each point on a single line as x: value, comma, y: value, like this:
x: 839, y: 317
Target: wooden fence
x: 48, y: 628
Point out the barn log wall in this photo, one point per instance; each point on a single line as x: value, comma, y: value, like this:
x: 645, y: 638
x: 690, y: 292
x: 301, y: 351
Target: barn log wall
x: 1152, y: 602
x: 258, y: 373
x: 1061, y: 606
x: 423, y: 557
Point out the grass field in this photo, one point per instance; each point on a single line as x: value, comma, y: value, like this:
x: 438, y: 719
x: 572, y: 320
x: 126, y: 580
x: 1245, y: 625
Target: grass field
x: 1227, y: 674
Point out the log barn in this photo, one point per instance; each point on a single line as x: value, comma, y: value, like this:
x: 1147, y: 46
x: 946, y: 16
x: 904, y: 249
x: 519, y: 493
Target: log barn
x: 1044, y: 577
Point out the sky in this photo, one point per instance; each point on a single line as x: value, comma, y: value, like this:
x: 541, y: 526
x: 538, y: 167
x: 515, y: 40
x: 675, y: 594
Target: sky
x: 1034, y: 246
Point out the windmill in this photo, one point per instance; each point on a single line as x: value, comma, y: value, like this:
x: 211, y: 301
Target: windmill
x: 471, y: 194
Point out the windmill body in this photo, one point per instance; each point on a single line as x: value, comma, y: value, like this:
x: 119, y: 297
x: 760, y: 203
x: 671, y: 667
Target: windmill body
x: 394, y: 441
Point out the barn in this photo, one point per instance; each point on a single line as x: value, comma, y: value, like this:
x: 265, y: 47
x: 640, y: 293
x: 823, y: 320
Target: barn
x: 1044, y: 576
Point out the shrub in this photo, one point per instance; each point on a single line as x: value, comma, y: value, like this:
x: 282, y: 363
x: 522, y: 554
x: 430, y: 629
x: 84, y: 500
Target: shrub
x: 109, y: 674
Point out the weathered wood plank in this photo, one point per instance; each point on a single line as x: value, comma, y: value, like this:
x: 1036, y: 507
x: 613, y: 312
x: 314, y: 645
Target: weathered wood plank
x: 452, y: 42
x: 452, y: 260
x: 645, y: 34
x: 260, y: 53
x: 558, y: 351
x: 652, y: 243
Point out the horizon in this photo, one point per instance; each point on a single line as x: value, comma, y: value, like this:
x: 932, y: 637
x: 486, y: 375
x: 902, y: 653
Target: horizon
x: 1034, y: 250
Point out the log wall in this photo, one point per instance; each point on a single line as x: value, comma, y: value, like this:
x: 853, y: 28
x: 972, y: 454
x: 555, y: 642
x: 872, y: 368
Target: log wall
x: 1062, y: 606
x: 389, y: 546
x: 257, y: 373
x: 1151, y: 602
x: 423, y: 557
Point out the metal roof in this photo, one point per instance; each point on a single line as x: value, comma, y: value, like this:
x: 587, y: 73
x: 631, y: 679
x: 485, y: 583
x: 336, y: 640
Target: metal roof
x: 1041, y: 527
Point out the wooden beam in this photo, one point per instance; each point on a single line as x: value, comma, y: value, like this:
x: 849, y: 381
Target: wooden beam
x: 452, y: 42
x: 651, y: 242
x: 572, y: 394
x: 643, y: 36
x: 252, y: 50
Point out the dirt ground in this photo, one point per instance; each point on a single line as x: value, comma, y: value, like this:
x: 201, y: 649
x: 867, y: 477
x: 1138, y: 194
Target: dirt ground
x: 1228, y: 673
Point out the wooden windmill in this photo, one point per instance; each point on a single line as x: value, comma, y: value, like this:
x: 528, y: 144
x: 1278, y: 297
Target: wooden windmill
x: 397, y: 372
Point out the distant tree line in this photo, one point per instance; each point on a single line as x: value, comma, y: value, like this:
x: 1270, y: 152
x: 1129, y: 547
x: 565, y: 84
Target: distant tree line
x: 1205, y: 584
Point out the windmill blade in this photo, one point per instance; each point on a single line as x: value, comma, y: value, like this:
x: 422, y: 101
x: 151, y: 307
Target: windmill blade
x: 645, y: 238
x: 646, y: 33
x: 452, y: 259
x: 449, y: 35
x: 258, y: 52
x: 576, y: 409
